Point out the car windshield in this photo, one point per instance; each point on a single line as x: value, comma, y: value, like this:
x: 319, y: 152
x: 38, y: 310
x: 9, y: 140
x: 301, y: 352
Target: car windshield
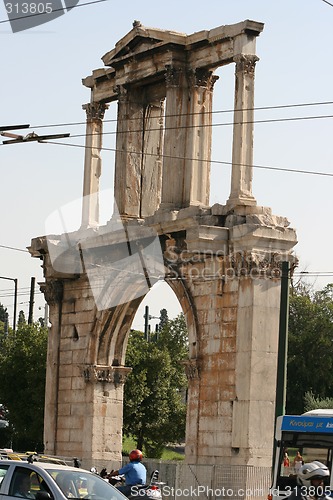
x: 80, y: 484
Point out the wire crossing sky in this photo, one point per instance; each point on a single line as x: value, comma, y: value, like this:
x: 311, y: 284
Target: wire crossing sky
x: 43, y: 68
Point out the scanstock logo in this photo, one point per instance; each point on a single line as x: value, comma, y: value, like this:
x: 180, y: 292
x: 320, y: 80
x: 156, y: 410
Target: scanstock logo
x: 24, y: 15
x: 121, y: 260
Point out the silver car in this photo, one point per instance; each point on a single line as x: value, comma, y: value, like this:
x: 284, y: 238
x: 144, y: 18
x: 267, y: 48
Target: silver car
x: 47, y: 481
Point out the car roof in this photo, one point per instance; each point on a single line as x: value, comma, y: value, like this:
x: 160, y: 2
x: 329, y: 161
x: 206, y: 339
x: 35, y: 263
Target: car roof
x: 42, y: 465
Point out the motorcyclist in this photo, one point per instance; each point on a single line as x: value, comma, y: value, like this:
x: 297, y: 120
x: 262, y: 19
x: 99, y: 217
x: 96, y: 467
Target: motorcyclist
x: 135, y: 472
x: 312, y: 482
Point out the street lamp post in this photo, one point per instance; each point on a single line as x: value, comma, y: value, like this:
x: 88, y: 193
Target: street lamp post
x: 15, y: 297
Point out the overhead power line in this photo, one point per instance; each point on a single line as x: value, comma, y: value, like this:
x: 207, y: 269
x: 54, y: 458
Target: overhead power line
x: 140, y: 130
x: 213, y: 125
x: 14, y: 248
x: 214, y: 276
x: 216, y: 162
x: 221, y: 111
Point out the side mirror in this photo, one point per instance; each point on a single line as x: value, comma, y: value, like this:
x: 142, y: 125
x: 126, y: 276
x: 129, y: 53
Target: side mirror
x: 43, y: 495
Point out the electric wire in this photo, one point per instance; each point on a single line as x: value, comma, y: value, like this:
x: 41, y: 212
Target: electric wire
x: 99, y: 287
x: 308, y: 274
x: 216, y: 162
x: 14, y: 248
x: 205, y: 125
x: 221, y: 111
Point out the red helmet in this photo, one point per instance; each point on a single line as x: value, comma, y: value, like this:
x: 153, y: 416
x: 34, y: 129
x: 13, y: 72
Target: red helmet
x: 135, y: 455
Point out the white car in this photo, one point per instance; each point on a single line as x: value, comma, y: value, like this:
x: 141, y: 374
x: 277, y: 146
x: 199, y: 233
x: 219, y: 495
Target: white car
x: 47, y: 481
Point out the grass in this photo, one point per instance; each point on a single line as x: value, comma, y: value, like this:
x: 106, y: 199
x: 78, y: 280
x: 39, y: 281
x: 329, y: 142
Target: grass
x: 168, y: 453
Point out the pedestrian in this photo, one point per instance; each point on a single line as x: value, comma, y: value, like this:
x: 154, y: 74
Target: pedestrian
x: 298, y: 461
x: 286, y: 461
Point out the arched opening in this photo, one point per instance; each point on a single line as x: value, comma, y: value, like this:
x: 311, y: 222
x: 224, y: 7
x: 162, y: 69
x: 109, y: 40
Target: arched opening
x: 158, y: 356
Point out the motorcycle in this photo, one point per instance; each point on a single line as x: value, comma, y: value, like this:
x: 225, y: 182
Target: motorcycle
x: 150, y: 491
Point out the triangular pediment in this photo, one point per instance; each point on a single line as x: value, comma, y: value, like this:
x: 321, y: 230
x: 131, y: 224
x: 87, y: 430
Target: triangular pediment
x: 141, y: 39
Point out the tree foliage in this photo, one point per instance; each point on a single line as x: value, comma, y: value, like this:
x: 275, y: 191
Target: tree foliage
x: 21, y: 318
x: 310, y: 346
x: 154, y: 406
x: 3, y: 313
x: 311, y: 402
x: 22, y: 372
x: 164, y: 320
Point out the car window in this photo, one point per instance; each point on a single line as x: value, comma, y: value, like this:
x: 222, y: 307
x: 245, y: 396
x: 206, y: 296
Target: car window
x: 26, y: 483
x: 81, y: 484
x: 3, y: 471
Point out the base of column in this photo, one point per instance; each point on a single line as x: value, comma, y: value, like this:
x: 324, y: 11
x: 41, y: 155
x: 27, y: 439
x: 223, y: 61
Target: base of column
x: 241, y: 200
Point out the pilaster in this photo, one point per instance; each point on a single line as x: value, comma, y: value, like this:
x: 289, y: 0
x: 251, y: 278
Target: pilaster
x: 53, y: 292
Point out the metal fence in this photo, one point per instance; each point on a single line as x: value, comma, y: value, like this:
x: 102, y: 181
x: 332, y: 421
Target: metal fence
x: 205, y: 482
x: 211, y: 482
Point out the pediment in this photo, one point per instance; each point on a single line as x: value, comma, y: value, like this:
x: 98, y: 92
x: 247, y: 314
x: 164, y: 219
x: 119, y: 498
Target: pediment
x: 141, y: 39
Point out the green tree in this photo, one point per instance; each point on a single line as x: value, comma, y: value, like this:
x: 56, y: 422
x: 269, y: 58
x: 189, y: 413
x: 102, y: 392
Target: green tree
x: 23, y: 367
x: 310, y: 346
x: 163, y: 319
x: 311, y: 402
x: 21, y: 318
x: 154, y: 406
x: 3, y: 313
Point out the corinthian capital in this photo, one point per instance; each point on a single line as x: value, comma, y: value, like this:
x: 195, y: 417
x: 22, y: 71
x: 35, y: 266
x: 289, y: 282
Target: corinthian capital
x: 95, y: 110
x: 121, y: 91
x: 173, y: 76
x: 53, y: 291
x: 202, y: 77
x: 245, y: 63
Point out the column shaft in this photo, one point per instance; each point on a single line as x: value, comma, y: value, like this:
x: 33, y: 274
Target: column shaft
x: 174, y: 139
x: 92, y: 163
x: 128, y: 163
x: 242, y: 151
x: 151, y: 177
x: 199, y: 139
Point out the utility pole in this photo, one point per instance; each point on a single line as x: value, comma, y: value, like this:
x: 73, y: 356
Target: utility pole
x: 15, y: 297
x: 146, y: 327
x: 281, y: 375
x: 31, y: 302
x: 148, y: 317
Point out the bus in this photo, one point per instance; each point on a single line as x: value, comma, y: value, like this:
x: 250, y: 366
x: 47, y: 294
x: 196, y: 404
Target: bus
x: 312, y: 435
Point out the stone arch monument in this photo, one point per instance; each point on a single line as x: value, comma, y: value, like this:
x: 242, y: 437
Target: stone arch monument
x: 223, y: 262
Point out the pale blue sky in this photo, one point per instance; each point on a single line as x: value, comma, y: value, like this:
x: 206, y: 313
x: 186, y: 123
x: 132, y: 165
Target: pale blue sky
x: 41, y: 72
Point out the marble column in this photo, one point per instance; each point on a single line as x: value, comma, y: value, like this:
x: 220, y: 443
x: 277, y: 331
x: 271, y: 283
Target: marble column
x: 176, y: 112
x: 129, y: 147
x: 92, y: 163
x: 242, y: 151
x: 198, y: 138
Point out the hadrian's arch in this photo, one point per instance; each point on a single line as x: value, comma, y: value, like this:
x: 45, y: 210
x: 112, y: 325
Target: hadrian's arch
x: 223, y: 262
